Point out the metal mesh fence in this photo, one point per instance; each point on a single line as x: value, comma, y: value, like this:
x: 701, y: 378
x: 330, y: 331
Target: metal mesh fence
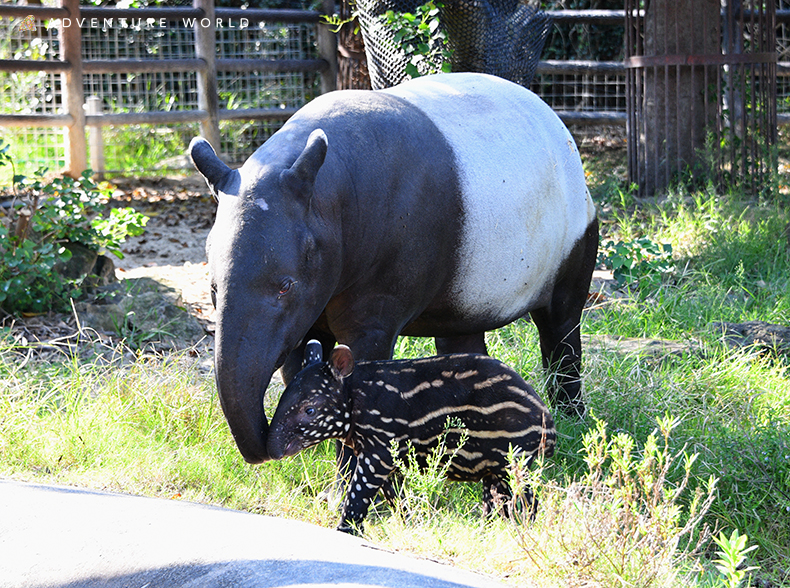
x: 30, y: 93
x: 566, y: 41
x: 581, y: 92
x: 178, y: 90
x: 143, y: 148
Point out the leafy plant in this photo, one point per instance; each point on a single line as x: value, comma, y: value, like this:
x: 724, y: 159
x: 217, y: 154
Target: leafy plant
x: 28, y: 283
x: 635, y: 260
x: 110, y: 232
x: 732, y: 555
x: 336, y: 22
x: 422, y: 39
x: 43, y: 217
x: 622, y: 522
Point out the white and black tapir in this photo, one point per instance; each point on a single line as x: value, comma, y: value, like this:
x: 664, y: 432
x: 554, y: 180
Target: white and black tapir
x: 444, y: 207
x: 378, y: 408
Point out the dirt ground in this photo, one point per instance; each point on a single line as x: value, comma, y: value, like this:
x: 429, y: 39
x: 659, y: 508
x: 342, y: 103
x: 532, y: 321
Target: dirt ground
x: 172, y: 249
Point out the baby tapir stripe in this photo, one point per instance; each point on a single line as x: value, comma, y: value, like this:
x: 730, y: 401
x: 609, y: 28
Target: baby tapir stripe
x: 375, y: 406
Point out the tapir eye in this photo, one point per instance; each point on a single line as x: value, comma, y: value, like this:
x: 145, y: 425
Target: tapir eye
x: 285, y: 287
x: 309, y: 411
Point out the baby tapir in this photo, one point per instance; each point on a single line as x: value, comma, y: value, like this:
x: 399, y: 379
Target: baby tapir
x: 372, y: 406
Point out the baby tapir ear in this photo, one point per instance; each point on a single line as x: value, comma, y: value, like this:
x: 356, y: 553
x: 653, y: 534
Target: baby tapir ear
x: 313, y: 353
x: 341, y: 362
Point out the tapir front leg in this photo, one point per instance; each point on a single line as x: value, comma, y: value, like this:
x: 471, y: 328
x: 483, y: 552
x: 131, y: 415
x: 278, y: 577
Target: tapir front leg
x: 370, y: 343
x: 371, y: 473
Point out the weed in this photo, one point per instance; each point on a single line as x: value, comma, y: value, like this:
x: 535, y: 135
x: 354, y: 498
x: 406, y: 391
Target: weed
x: 420, y: 479
x: 622, y: 523
x: 732, y: 555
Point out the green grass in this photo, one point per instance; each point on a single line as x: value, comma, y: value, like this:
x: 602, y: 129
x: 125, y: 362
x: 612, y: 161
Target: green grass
x: 153, y: 426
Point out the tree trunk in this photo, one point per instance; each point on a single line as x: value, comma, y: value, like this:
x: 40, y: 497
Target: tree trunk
x: 352, y: 64
x: 677, y: 118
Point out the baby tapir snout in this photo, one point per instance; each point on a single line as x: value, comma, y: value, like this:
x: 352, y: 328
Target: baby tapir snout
x: 381, y: 408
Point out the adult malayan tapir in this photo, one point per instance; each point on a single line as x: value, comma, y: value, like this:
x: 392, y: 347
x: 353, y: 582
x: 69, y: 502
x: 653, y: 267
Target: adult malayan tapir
x: 446, y: 206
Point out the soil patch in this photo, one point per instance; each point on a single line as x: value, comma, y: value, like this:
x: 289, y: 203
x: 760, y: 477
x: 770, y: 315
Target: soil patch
x: 171, y: 252
x: 172, y: 249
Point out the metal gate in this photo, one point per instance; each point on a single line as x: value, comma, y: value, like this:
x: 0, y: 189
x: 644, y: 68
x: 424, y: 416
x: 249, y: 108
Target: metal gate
x: 701, y: 93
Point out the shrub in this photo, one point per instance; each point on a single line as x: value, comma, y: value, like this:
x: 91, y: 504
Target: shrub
x: 43, y: 217
x: 636, y: 260
x: 622, y: 523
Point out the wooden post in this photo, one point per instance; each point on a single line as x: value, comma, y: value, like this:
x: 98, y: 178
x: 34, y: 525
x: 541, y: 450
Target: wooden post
x: 95, y: 140
x: 327, y: 48
x: 205, y: 49
x: 73, y: 97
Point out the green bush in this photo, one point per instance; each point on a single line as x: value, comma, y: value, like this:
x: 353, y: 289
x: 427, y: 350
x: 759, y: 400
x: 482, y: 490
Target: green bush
x: 43, y: 217
x: 635, y: 260
x: 422, y: 39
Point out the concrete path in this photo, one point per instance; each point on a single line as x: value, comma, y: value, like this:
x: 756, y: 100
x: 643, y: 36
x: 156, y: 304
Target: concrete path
x: 67, y: 537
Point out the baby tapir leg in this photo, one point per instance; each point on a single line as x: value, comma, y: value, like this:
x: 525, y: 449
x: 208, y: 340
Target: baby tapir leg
x: 370, y: 475
x: 496, y: 493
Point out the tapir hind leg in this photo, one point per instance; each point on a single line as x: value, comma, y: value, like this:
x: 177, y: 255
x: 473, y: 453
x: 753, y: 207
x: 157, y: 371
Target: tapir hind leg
x: 559, y: 323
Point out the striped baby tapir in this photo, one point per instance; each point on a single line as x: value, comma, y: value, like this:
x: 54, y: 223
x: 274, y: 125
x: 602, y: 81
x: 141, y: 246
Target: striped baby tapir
x: 378, y: 408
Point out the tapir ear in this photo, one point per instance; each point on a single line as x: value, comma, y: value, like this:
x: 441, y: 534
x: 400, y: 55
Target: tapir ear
x: 208, y: 164
x: 341, y: 361
x: 313, y: 353
x: 300, y: 177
